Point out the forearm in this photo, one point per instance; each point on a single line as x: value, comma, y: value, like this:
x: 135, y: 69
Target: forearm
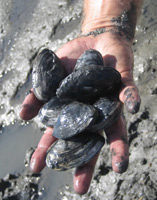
x: 120, y: 15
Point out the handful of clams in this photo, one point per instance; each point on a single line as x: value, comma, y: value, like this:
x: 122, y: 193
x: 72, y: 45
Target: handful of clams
x: 77, y: 106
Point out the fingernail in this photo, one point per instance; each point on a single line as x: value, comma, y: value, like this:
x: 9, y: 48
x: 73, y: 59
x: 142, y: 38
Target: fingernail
x: 122, y: 166
x: 22, y: 112
x: 24, y: 106
x: 136, y: 107
x: 77, y: 183
x: 21, y: 108
x: 132, y: 101
x: 132, y: 106
x: 32, y: 164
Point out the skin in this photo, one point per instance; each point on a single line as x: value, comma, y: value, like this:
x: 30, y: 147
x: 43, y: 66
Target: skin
x: 116, y: 50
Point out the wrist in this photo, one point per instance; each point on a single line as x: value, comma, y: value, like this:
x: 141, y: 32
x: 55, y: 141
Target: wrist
x: 97, y: 23
x: 117, y: 16
x: 99, y: 14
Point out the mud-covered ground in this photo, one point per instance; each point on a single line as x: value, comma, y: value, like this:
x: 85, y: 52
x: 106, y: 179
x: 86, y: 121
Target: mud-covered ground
x: 25, y: 28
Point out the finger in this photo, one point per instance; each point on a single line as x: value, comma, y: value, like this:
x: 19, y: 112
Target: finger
x: 117, y: 137
x: 83, y: 176
x: 129, y: 95
x: 38, y: 158
x: 30, y: 106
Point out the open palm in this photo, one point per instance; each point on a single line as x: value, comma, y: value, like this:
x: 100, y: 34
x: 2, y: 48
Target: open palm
x: 117, y: 53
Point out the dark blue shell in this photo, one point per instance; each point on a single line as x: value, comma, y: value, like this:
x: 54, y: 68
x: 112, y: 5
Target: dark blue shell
x: 73, y: 119
x: 49, y: 112
x: 89, y: 83
x: 74, y: 152
x: 47, y: 73
x: 89, y: 57
x: 109, y: 111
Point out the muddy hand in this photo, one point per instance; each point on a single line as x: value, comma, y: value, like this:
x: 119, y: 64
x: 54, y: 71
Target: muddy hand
x: 108, y: 27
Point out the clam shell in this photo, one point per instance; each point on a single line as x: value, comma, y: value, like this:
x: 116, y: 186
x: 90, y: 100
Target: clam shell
x: 89, y: 83
x: 47, y: 73
x: 109, y: 111
x: 73, y: 119
x: 48, y: 114
x: 67, y: 154
x: 89, y: 57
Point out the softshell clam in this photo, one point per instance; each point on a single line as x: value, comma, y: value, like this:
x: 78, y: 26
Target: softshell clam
x: 89, y: 83
x: 73, y: 119
x: 47, y: 74
x: 76, y: 151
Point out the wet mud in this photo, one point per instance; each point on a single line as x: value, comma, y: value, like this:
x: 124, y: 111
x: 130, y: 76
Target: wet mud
x: 25, y: 28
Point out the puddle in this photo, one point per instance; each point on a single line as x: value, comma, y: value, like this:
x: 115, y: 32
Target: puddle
x: 14, y: 141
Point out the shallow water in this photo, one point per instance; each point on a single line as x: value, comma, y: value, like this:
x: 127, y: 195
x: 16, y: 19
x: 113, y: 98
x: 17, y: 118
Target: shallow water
x: 15, y: 140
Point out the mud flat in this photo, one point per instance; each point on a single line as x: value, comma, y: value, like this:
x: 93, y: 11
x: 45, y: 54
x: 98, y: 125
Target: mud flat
x: 26, y: 27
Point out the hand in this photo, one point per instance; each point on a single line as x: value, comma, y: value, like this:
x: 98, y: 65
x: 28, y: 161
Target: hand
x: 117, y: 53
